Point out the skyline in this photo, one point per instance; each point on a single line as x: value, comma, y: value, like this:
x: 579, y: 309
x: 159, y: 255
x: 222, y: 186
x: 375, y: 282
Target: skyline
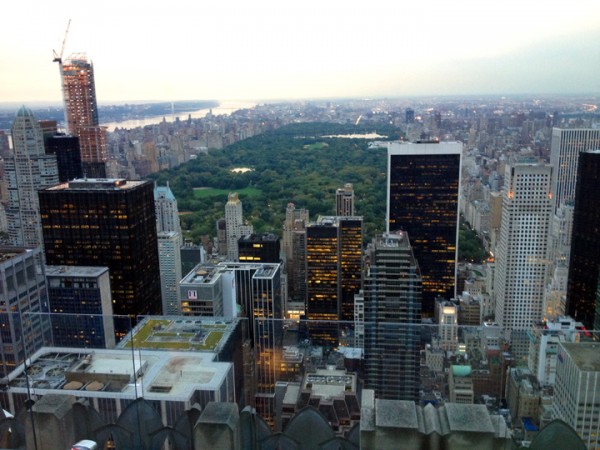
x: 262, y: 51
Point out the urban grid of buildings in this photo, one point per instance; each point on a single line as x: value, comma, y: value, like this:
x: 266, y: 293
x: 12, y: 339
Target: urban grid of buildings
x: 316, y: 332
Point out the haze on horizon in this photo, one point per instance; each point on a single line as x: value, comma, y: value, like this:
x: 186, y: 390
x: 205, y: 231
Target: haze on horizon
x: 266, y: 49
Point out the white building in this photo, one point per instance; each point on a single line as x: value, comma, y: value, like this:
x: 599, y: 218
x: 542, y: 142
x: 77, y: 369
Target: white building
x: 522, y: 250
x: 543, y: 346
x: 234, y: 224
x: 564, y: 155
x: 28, y: 171
x: 167, y: 213
x: 577, y: 389
x: 169, y: 259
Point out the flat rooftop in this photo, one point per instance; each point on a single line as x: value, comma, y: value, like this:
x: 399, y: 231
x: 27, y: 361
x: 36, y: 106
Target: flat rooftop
x: 157, y: 375
x: 198, y: 334
x: 202, y: 274
x: 328, y: 383
x: 75, y: 271
x: 585, y: 355
x: 86, y: 184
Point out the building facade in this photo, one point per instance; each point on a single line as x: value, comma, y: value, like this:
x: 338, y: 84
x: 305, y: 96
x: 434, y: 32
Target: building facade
x: 112, y: 223
x: 234, y: 223
x: 81, y: 306
x: 167, y: 213
x: 169, y: 259
x: 423, y: 200
x: 577, y: 390
x: 24, y: 324
x: 565, y: 147
x: 81, y: 112
x: 584, y: 265
x: 28, y: 170
x: 333, y: 273
x: 344, y: 201
x: 392, y: 318
x: 522, y: 250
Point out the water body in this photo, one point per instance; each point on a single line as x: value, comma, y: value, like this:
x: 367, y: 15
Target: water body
x: 357, y: 136
x: 225, y: 107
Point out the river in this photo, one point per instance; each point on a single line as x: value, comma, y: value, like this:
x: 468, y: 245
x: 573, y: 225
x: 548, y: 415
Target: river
x: 225, y: 107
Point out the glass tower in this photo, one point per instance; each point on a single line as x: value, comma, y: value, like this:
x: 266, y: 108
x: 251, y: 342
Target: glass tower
x: 423, y: 185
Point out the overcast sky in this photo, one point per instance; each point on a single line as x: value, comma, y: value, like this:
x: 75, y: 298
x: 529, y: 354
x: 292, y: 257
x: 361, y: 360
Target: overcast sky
x: 277, y: 49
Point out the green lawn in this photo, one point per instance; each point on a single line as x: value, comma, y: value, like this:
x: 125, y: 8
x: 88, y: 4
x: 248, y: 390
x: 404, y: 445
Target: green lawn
x: 316, y: 146
x: 213, y: 192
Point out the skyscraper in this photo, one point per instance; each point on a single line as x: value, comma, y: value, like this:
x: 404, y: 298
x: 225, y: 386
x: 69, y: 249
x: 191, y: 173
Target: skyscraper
x: 82, y: 114
x: 565, y: 148
x: 522, y: 251
x: 423, y: 184
x: 167, y: 213
x: 68, y: 155
x: 344, y: 201
x: 24, y: 324
x: 293, y: 245
x: 107, y: 222
x: 234, y: 223
x: 28, y: 170
x: 333, y: 273
x: 585, y: 244
x: 392, y: 317
x: 169, y: 257
x: 81, y: 303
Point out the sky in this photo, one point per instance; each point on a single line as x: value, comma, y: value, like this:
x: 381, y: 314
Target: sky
x: 274, y: 49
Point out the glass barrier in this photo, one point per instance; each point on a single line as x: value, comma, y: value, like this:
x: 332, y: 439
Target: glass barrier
x: 177, y: 365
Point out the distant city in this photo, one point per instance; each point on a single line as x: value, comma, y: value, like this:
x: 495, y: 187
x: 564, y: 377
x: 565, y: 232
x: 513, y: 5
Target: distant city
x: 470, y: 318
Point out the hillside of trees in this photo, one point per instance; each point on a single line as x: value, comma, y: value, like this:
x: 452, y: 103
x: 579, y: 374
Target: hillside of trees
x: 292, y: 164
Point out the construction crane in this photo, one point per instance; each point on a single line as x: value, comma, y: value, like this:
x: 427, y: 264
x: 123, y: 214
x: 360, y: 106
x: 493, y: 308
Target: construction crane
x: 58, y: 59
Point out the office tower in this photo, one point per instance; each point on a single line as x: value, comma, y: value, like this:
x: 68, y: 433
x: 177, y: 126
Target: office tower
x: 81, y: 306
x: 293, y: 247
x: 28, y: 170
x: 522, y: 250
x: 585, y: 243
x: 24, y: 324
x: 167, y: 213
x: 446, y: 314
x: 392, y: 318
x: 202, y: 292
x: 409, y: 116
x: 259, y: 248
x: 169, y: 259
x: 81, y: 110
x: 577, y: 389
x: 544, y: 339
x: 112, y: 223
x: 221, y: 227
x: 234, y: 223
x: 5, y: 151
x: 68, y: 155
x: 333, y: 274
x: 565, y: 148
x: 191, y: 256
x: 423, y: 184
x: 258, y: 289
x: 344, y: 201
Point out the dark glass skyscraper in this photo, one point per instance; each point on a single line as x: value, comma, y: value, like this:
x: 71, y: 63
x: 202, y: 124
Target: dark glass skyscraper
x: 585, y: 244
x: 68, y: 155
x: 108, y: 223
x: 333, y: 273
x: 423, y: 185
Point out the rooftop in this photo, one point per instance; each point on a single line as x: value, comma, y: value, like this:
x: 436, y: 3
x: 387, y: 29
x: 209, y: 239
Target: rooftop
x: 198, y: 334
x: 157, y: 375
x: 585, y: 355
x: 202, y: 274
x: 86, y: 184
x: 75, y: 271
